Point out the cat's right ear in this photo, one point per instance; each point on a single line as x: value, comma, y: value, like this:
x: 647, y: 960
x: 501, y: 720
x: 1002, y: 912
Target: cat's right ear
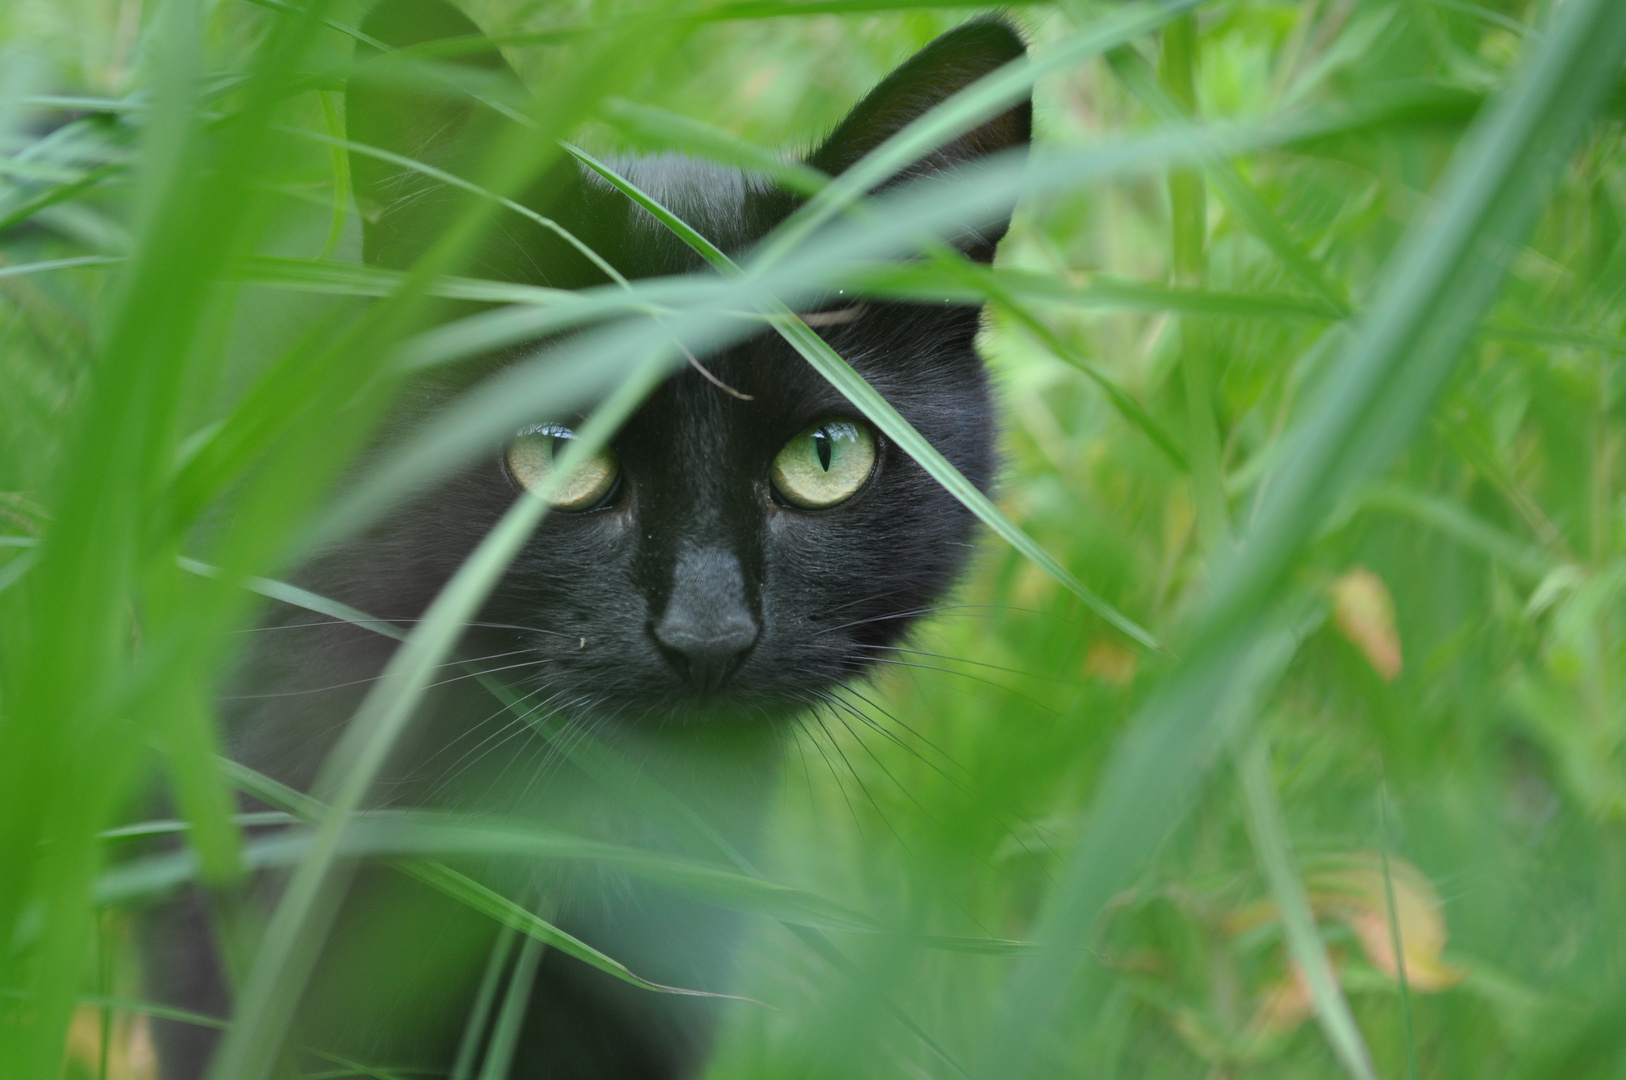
x: 442, y: 107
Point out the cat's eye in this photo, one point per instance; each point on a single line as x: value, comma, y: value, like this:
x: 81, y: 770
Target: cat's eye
x: 532, y: 458
x: 826, y: 464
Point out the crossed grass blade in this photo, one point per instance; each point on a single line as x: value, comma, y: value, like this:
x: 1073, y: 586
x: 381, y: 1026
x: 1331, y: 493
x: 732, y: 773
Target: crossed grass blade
x: 1437, y: 287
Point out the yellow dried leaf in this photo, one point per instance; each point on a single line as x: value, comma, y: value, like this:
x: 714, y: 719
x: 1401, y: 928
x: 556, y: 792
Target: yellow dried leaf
x: 1351, y: 890
x: 1364, y: 612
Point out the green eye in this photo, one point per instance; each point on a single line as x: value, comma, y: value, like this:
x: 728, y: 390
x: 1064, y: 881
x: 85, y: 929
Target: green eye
x: 531, y: 458
x: 825, y: 464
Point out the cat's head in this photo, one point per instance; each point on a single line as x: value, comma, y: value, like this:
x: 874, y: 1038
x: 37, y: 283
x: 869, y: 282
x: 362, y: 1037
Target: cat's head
x: 748, y: 540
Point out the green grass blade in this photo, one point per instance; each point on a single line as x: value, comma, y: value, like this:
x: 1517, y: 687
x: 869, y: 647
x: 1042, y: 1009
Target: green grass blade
x: 1526, y: 560
x: 973, y: 284
x: 72, y: 262
x: 510, y: 1019
x: 1275, y: 853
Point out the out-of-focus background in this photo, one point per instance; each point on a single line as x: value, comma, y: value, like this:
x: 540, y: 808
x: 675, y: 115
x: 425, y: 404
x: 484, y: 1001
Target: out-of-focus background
x: 1439, y: 770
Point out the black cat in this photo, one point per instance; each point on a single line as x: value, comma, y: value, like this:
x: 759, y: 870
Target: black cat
x: 730, y: 558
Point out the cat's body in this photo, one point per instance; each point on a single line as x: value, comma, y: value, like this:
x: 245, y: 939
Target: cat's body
x: 682, y: 617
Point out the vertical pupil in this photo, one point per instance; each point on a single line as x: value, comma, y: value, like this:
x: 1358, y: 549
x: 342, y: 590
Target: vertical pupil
x: 822, y: 443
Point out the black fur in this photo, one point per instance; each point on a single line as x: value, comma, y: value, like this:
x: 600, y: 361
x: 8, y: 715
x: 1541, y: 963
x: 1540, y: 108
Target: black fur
x: 693, y: 537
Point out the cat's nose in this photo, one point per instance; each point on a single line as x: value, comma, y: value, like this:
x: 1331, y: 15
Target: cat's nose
x: 707, y: 628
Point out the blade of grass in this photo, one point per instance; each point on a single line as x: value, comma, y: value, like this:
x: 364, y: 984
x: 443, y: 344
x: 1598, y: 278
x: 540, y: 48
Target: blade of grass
x: 718, y: 315
x: 1392, y: 913
x: 58, y: 194
x: 410, y: 839
x: 1522, y: 558
x: 20, y: 269
x: 341, y: 175
x: 505, y: 1036
x: 1188, y: 219
x: 1275, y: 853
x: 474, y: 1030
x: 970, y: 283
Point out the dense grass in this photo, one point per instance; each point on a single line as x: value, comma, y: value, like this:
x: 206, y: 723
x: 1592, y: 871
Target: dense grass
x: 1308, y: 342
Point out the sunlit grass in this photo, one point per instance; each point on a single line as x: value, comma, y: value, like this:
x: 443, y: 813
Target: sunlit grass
x: 1308, y: 342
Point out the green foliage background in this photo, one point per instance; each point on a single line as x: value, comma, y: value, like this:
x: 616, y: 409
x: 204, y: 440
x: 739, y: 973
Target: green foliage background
x: 1154, y: 841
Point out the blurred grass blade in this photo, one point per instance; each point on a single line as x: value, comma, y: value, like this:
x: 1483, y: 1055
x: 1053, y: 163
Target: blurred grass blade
x: 536, y: 928
x: 1309, y: 952
x: 54, y: 195
x: 1240, y: 195
x: 722, y: 311
x: 21, y: 269
x: 1523, y: 559
x: 971, y: 283
x: 511, y: 1017
x: 1437, y: 286
x: 817, y: 352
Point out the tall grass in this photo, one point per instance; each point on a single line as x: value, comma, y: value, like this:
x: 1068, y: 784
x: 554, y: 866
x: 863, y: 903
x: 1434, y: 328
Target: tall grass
x: 1279, y: 729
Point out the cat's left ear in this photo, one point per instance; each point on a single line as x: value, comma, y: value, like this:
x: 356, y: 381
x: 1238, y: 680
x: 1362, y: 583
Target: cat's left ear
x: 941, y: 69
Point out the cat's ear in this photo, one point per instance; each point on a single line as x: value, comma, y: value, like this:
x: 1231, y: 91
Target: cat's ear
x: 946, y: 66
x: 445, y: 111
